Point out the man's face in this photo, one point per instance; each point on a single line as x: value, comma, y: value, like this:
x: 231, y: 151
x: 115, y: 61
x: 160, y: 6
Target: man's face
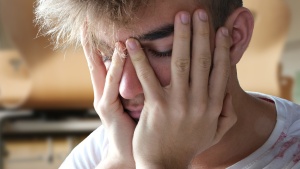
x: 154, y: 30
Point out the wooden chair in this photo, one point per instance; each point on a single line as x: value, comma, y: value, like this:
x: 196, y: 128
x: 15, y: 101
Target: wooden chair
x: 46, y: 83
x: 45, y: 79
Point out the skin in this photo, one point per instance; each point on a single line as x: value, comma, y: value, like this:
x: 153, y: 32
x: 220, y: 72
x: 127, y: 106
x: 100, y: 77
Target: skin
x: 191, y: 110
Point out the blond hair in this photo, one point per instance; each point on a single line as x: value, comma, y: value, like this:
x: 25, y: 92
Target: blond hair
x: 63, y: 20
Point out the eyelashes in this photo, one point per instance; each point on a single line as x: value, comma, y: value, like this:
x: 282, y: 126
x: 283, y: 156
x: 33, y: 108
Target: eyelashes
x: 152, y: 52
x: 160, y: 54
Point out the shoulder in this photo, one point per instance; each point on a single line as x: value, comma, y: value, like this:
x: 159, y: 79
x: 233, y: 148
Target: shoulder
x: 288, y: 112
x: 89, y: 152
x: 282, y: 149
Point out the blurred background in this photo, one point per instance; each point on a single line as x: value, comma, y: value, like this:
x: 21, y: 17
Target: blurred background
x: 46, y: 96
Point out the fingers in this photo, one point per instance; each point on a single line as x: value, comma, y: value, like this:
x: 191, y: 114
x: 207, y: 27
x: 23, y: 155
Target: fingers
x: 151, y: 85
x: 180, y: 64
x: 201, y: 55
x: 95, y: 64
x: 109, y: 106
x: 114, y: 74
x: 221, y: 68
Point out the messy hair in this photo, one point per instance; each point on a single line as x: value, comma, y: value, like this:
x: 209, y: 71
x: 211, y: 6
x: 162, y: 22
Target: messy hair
x: 63, y: 20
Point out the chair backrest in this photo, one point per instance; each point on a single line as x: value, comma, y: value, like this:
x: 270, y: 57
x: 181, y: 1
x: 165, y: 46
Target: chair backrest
x: 14, y: 75
x: 58, y: 79
x: 258, y: 69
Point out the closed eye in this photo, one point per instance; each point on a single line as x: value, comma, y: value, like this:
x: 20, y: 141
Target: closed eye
x: 160, y: 54
x: 107, y: 57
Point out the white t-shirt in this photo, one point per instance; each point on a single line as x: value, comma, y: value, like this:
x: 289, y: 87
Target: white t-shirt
x: 280, y: 151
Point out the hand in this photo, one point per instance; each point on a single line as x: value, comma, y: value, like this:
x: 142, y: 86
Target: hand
x: 117, y: 123
x: 193, y: 112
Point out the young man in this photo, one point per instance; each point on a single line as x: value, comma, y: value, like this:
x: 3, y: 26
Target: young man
x: 166, y: 89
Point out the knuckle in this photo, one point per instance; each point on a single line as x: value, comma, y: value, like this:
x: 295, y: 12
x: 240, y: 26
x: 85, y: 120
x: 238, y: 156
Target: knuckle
x: 199, y: 107
x: 143, y: 74
x: 224, y: 44
x: 184, y: 36
x: 137, y: 58
x: 182, y: 65
x: 200, y: 110
x: 224, y: 67
x: 204, y: 61
x: 223, y: 50
x: 216, y: 106
x: 197, y: 113
x: 226, y: 71
x: 181, y: 113
x: 204, y: 33
x: 102, y: 107
x: 109, y: 78
x: 204, y: 37
x: 116, y: 62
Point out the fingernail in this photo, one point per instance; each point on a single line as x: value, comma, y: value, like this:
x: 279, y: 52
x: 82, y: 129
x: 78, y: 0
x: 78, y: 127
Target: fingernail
x: 132, y: 44
x: 202, y: 16
x: 225, y: 32
x: 185, y: 18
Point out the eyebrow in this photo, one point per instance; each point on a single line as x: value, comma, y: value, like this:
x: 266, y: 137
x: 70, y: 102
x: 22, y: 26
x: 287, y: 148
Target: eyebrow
x: 158, y: 33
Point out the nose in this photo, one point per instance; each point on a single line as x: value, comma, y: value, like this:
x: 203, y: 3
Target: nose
x: 130, y: 86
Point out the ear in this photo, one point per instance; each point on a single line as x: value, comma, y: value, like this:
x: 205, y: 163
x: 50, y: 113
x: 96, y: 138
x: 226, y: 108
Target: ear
x: 240, y: 23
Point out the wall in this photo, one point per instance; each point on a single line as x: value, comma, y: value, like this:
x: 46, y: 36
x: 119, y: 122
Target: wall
x: 291, y: 55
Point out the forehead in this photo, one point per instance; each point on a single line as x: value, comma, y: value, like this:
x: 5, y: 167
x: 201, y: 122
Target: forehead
x: 156, y: 15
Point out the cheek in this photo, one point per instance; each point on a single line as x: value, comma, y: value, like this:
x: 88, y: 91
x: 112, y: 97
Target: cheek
x: 162, y: 69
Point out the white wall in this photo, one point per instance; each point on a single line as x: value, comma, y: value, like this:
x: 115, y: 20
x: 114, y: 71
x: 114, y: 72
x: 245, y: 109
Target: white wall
x: 291, y: 55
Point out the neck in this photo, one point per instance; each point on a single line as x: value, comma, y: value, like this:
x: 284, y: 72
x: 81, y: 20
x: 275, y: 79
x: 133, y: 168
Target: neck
x: 256, y: 121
